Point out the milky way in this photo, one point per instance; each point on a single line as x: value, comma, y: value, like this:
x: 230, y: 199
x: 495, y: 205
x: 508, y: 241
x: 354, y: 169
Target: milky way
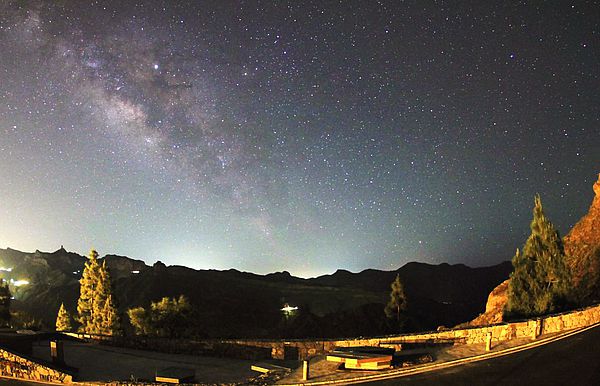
x: 300, y: 136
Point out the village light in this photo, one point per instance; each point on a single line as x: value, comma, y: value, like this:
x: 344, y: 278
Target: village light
x: 19, y: 283
x: 289, y: 311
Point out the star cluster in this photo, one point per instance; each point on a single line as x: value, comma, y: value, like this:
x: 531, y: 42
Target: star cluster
x: 301, y: 136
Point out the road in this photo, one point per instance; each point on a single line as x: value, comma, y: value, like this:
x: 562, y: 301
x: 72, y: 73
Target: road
x: 15, y: 382
x: 571, y: 361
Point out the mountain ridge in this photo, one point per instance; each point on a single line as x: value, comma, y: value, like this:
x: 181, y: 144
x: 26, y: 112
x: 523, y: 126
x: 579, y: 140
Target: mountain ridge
x: 236, y: 303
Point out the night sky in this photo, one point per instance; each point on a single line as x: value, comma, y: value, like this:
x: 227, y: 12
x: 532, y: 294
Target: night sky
x: 304, y: 136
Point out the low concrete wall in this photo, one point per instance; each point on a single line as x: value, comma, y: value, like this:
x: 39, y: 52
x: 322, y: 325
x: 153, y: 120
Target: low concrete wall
x: 207, y: 347
x: 17, y: 366
x: 500, y: 332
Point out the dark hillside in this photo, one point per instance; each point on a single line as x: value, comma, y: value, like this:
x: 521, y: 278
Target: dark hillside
x: 233, y: 303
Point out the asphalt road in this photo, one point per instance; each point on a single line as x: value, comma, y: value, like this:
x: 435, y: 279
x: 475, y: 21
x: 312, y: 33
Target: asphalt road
x: 14, y: 382
x: 571, y: 361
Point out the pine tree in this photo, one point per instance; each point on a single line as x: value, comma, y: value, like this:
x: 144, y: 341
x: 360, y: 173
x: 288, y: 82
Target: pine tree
x: 110, y: 324
x: 5, y: 298
x: 540, y: 282
x: 104, y: 319
x: 398, y: 302
x: 87, y: 290
x: 63, y: 319
x: 95, y: 307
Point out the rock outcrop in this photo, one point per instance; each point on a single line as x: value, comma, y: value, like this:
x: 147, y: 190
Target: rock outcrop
x: 585, y: 235
x: 494, y: 307
x: 582, y: 249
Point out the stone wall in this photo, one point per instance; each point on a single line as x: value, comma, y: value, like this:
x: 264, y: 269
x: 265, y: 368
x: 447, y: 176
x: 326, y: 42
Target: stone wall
x: 17, y: 366
x: 474, y: 335
x: 208, y: 347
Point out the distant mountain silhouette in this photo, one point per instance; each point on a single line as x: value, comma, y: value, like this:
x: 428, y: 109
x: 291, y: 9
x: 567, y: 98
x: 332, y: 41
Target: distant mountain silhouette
x: 234, y: 304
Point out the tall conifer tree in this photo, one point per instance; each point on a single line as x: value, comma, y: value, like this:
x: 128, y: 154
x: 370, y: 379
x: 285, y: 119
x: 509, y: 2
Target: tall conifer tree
x: 540, y: 282
x: 5, y: 298
x: 110, y: 324
x: 95, y: 307
x: 398, y: 302
x: 87, y: 290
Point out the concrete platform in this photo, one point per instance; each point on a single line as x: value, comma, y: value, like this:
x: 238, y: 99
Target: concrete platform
x: 361, y: 361
x: 362, y: 357
x: 176, y: 375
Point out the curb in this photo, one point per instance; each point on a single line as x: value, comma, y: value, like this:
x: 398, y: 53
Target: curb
x: 443, y: 365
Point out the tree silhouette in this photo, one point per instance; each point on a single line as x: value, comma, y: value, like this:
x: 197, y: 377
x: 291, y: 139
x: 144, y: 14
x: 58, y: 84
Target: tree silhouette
x: 110, y: 318
x: 139, y: 318
x: 5, y: 298
x: 540, y: 282
x: 96, y: 311
x: 398, y: 302
x: 63, y: 319
x: 169, y: 317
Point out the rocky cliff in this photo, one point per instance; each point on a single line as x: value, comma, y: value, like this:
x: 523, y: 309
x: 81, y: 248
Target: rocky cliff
x: 582, y: 247
x: 585, y: 235
x: 494, y: 308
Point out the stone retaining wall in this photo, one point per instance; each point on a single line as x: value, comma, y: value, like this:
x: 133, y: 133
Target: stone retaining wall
x: 13, y: 365
x: 500, y: 332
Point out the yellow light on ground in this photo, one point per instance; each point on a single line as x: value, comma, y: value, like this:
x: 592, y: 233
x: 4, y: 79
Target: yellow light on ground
x: 19, y: 283
x: 5, y: 269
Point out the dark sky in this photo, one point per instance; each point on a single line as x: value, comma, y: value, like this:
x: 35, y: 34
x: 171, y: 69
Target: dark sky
x: 304, y: 136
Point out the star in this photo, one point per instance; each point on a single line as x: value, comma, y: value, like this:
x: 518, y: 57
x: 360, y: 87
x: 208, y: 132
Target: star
x: 354, y: 136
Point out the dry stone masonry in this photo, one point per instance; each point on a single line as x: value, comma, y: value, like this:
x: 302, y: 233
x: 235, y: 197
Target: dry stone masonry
x: 13, y: 365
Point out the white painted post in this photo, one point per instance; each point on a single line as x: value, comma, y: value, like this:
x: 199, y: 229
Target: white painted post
x: 488, y: 342
x: 305, y: 370
x: 536, y: 329
x: 56, y: 352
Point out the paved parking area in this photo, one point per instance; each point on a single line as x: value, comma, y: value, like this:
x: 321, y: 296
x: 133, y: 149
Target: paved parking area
x: 99, y: 363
